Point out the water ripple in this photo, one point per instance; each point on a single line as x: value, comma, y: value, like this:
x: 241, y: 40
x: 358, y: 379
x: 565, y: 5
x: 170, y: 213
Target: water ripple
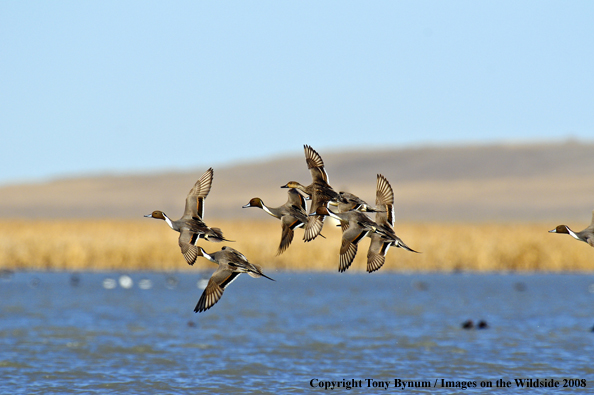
x: 58, y: 337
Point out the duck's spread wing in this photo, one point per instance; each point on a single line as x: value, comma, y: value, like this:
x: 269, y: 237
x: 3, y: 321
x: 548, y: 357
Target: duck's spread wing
x: 384, y: 192
x: 315, y: 164
x: 348, y: 251
x: 220, y: 279
x: 196, y: 196
x: 186, y: 243
x: 376, y: 256
x: 313, y: 227
x: 288, y: 223
x: 200, y: 207
x: 344, y: 226
x: 384, y: 199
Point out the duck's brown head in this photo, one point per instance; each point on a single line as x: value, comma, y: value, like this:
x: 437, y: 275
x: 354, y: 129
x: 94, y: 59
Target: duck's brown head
x: 292, y: 184
x: 254, y: 202
x: 322, y: 210
x: 560, y: 229
x: 156, y: 214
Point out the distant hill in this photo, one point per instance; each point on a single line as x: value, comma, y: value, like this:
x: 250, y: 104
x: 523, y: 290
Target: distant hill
x: 532, y: 182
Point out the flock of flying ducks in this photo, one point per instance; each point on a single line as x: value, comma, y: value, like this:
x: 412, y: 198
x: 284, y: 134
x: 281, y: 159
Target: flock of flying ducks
x: 345, y: 207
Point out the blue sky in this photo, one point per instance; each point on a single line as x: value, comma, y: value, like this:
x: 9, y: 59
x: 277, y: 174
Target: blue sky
x: 137, y: 86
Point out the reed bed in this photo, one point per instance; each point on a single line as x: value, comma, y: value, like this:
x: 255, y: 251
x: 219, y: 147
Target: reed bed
x: 97, y: 245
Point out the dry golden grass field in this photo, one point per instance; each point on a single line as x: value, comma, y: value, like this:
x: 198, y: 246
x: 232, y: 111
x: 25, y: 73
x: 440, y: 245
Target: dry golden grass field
x: 129, y: 245
x: 467, y: 208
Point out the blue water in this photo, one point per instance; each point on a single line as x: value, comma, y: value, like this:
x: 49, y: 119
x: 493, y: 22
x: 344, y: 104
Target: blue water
x: 67, y: 333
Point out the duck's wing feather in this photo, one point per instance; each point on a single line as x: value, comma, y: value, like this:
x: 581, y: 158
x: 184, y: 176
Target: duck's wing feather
x: 354, y: 233
x: 287, y: 223
x: 344, y: 226
x: 186, y: 242
x: 232, y: 257
x: 315, y: 164
x: 384, y: 199
x: 196, y: 196
x: 348, y: 248
x: 236, y: 261
x: 313, y: 227
x: 376, y: 255
x: 296, y: 199
x: 219, y: 280
x: 348, y: 251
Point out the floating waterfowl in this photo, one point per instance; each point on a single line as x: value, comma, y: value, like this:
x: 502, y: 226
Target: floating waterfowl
x: 191, y: 226
x: 319, y: 191
x: 231, y: 264
x: 384, y: 218
x: 586, y: 235
x: 292, y: 215
x: 468, y: 324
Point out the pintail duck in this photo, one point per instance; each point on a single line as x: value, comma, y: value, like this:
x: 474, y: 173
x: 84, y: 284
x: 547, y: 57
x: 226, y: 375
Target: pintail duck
x: 348, y: 201
x: 384, y: 218
x: 355, y: 226
x: 292, y: 215
x: 586, y: 235
x: 319, y: 191
x: 191, y: 226
x: 231, y: 264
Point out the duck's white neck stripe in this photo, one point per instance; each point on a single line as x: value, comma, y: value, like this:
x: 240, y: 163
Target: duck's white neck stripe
x: 204, y: 254
x: 334, y: 216
x: 168, y: 221
x: 268, y: 211
x: 573, y: 234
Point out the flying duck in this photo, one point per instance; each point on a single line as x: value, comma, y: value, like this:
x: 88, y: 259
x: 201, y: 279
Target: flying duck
x: 231, y: 264
x: 319, y: 191
x: 586, y: 235
x: 191, y: 226
x: 292, y: 215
